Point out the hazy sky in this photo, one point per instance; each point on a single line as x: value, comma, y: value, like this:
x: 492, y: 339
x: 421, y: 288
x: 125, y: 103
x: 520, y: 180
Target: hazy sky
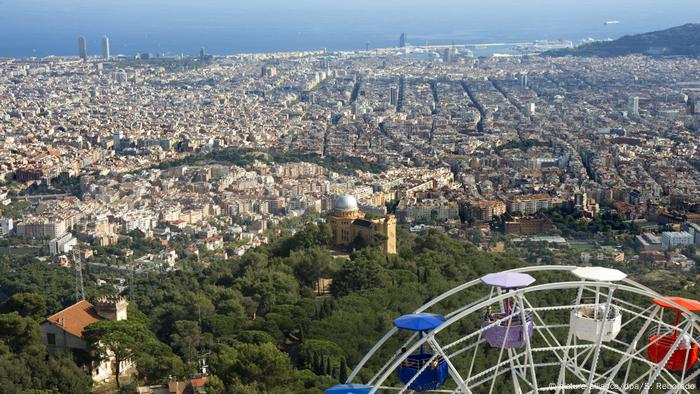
x: 225, y: 26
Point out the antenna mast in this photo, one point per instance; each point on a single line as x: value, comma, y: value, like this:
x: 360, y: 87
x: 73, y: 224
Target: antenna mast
x: 78, y: 265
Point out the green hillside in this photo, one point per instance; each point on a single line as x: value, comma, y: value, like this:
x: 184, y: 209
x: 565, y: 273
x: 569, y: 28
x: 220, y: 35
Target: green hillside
x: 677, y: 41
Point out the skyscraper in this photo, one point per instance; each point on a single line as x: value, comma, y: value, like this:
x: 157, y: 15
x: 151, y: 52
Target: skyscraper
x: 448, y: 55
x: 523, y: 80
x: 402, y: 40
x: 633, y: 109
x: 394, y: 96
x: 202, y: 54
x: 105, y: 47
x: 82, y: 48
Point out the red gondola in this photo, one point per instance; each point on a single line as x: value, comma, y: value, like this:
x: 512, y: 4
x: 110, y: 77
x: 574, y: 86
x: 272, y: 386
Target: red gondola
x: 662, y: 340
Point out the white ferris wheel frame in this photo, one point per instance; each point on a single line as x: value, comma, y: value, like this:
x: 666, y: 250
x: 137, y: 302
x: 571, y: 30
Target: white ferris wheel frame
x: 520, y: 362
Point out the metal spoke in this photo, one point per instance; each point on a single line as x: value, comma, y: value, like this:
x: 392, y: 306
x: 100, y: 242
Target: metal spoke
x: 599, y: 342
x: 630, y: 349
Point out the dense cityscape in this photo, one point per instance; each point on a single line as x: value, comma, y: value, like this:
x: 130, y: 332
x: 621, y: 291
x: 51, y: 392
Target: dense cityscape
x: 241, y: 202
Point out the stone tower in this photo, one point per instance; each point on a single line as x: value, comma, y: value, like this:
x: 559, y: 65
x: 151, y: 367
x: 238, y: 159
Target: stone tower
x: 112, y: 308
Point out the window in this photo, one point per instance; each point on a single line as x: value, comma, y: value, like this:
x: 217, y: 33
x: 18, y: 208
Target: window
x: 51, y: 339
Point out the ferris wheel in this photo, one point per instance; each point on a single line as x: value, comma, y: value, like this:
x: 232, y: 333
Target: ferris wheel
x: 557, y: 329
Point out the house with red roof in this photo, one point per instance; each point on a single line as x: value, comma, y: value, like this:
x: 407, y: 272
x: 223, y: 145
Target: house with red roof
x: 63, y: 331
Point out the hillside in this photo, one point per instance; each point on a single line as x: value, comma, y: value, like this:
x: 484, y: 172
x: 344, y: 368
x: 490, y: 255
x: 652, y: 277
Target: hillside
x: 677, y: 41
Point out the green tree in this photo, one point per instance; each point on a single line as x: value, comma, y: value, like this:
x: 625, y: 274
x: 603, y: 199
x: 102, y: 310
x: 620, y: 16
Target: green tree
x: 186, y: 340
x: 118, y: 339
x: 23, y: 361
x: 26, y: 304
x: 20, y: 335
x: 130, y: 340
x: 310, y: 264
x: 29, y: 275
x: 256, y: 364
x: 365, y: 271
x: 67, y: 377
x: 156, y: 361
x: 214, y: 385
x: 343, y: 372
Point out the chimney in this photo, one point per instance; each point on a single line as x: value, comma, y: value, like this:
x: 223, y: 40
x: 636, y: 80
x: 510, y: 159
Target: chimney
x: 112, y: 308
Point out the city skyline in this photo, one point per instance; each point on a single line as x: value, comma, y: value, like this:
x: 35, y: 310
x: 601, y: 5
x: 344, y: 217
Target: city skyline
x: 236, y: 27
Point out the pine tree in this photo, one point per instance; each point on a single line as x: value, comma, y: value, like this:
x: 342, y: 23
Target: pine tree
x: 302, y: 335
x: 314, y: 363
x: 343, y: 373
x: 328, y: 367
x: 302, y: 359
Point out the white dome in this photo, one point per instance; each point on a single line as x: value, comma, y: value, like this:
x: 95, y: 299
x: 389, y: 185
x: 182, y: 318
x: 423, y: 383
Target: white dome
x: 345, y: 203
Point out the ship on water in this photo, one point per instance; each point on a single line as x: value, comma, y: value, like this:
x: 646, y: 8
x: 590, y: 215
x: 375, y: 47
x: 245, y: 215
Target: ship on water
x: 540, y: 46
x: 611, y: 23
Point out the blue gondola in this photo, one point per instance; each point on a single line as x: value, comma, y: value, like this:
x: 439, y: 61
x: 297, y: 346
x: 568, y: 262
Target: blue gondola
x: 436, y: 373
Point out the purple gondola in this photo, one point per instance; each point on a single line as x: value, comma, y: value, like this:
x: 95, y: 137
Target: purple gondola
x: 506, y: 328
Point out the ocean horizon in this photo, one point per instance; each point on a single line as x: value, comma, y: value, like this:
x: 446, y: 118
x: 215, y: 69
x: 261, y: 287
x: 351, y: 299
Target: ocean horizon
x: 40, y: 28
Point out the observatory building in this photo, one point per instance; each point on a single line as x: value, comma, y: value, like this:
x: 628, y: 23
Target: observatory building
x: 350, y: 226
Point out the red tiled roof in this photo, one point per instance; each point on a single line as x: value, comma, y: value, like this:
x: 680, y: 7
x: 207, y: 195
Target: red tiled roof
x: 199, y: 381
x: 75, y: 318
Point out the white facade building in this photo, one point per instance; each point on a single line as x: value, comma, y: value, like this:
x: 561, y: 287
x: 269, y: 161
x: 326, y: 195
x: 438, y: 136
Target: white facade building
x: 694, y: 229
x: 674, y: 239
x: 63, y: 244
x: 6, y: 226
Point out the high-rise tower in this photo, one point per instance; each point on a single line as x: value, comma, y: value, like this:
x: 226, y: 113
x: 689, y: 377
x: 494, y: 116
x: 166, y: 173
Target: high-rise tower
x: 402, y: 40
x: 105, y: 47
x: 633, y: 106
x: 82, y: 47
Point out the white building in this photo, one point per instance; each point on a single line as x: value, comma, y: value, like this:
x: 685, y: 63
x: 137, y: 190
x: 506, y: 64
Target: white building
x: 633, y: 106
x: 693, y: 229
x: 674, y: 239
x: 6, y: 226
x: 63, y: 244
x: 649, y: 241
x: 142, y: 220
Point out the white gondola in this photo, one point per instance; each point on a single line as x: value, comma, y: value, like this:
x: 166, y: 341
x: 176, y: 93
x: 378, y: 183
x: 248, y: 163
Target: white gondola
x: 589, y: 322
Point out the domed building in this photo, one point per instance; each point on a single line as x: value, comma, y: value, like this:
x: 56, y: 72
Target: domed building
x: 351, y: 228
x: 345, y: 203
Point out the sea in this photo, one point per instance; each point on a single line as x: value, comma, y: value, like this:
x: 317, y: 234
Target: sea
x: 37, y: 28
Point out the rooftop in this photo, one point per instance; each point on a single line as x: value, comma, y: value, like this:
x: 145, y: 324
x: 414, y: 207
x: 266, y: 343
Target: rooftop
x: 75, y: 318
